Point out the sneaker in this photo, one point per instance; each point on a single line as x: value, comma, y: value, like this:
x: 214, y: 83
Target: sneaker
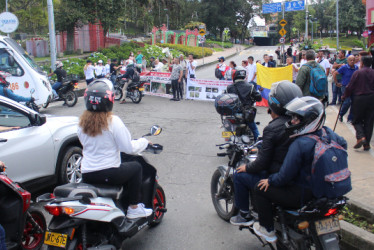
x: 138, y: 212
x: 240, y: 221
x: 177, y: 100
x: 172, y: 99
x: 262, y: 232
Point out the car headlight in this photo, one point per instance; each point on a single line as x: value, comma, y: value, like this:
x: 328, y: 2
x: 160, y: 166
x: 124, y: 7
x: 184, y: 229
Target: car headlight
x: 47, y: 85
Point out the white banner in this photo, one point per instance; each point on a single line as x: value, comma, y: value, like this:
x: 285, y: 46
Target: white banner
x: 202, y: 89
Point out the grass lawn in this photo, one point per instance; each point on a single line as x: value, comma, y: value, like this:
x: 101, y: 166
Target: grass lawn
x: 346, y: 43
x: 217, y: 49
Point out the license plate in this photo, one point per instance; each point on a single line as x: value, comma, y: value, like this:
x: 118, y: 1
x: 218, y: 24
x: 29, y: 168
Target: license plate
x: 327, y: 225
x: 227, y: 134
x: 55, y: 239
x: 76, y: 87
x: 141, y: 89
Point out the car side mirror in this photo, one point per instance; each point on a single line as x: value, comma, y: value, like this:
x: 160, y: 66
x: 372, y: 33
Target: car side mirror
x: 11, y: 61
x: 38, y: 119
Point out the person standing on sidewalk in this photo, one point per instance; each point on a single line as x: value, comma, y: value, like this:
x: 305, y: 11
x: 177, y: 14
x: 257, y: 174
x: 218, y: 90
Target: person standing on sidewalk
x: 361, y: 87
x: 89, y: 72
x: 176, y: 80
x: 346, y: 71
x: 267, y: 63
x: 183, y: 63
x: 295, y: 69
x: 228, y: 74
x: 252, y: 71
x: 323, y: 62
x: 191, y: 67
x: 336, y: 91
x: 222, y: 67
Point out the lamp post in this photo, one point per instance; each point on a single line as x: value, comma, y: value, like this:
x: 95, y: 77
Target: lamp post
x: 167, y: 19
x: 337, y: 24
x: 306, y: 20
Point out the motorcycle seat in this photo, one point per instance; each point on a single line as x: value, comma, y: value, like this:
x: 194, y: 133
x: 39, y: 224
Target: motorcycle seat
x: 88, y: 190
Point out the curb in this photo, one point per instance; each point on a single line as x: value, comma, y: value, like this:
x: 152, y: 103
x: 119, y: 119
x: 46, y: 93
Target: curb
x: 362, y: 210
x: 355, y: 238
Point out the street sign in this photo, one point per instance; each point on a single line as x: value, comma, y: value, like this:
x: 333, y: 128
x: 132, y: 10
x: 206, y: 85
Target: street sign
x: 282, y: 40
x: 202, y: 40
x: 282, y: 22
x: 282, y: 32
x: 226, y: 31
x: 202, y: 32
x: 294, y: 5
x: 365, y: 34
x: 271, y: 8
x: 8, y: 22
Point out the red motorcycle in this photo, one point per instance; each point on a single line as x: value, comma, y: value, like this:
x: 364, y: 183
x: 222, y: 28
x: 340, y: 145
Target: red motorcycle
x: 24, y: 225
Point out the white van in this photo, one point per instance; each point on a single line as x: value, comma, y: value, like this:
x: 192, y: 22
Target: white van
x: 26, y: 74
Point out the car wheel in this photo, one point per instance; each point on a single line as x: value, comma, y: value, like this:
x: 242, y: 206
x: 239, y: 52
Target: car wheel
x: 70, y: 169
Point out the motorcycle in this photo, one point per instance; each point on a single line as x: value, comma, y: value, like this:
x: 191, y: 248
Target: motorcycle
x: 222, y: 182
x: 66, y: 92
x: 93, y: 216
x: 134, y: 89
x: 24, y: 225
x: 316, y: 225
x: 32, y: 105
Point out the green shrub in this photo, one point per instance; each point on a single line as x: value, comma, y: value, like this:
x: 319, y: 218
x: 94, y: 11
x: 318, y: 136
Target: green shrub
x: 197, y: 52
x: 358, y: 43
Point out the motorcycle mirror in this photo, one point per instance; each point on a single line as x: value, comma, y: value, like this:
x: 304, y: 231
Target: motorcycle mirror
x: 32, y: 91
x: 155, y: 130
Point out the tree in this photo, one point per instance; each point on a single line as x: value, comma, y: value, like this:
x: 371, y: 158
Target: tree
x: 351, y: 16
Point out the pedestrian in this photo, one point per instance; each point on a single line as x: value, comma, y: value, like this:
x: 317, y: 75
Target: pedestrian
x: 303, y: 77
x: 176, y: 80
x: 166, y: 65
x: 252, y: 71
x: 99, y: 69
x: 361, y: 87
x: 361, y: 54
x: 357, y: 60
x: 89, y: 72
x: 303, y: 59
x: 372, y: 56
x: 266, y: 62
x: 277, y: 51
x: 346, y: 71
x: 222, y: 67
x: 271, y: 59
x: 139, y: 59
x: 336, y: 91
x: 113, y: 71
x: 294, y: 56
x: 152, y: 62
x: 289, y: 51
x: 295, y: 69
x: 183, y: 63
x: 158, y: 66
x: 107, y: 67
x: 191, y: 67
x: 228, y: 74
x: 323, y: 62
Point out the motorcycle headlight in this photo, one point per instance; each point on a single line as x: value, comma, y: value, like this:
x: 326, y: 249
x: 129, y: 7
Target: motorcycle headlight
x: 47, y: 85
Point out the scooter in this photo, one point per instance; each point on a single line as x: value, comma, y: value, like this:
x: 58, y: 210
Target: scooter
x: 94, y: 216
x: 24, y: 225
x: 66, y: 92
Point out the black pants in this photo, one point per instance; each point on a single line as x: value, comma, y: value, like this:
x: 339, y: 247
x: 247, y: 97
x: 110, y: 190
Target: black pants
x: 363, y: 116
x: 176, y: 87
x: 129, y: 175
x: 286, y: 197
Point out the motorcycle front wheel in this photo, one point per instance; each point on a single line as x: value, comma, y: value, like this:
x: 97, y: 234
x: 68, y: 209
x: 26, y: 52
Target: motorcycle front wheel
x: 71, y: 98
x: 117, y: 93
x: 136, y: 96
x: 224, y: 202
x: 33, y: 232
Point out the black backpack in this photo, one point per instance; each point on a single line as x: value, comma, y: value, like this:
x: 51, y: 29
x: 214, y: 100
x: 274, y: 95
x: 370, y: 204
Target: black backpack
x: 218, y: 73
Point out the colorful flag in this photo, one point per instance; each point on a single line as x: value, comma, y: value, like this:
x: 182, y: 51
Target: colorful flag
x: 267, y: 76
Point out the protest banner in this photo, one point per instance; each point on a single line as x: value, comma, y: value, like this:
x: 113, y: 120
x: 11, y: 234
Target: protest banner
x: 203, y: 89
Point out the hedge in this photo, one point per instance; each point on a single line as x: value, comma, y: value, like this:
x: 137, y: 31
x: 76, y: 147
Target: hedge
x: 197, y: 52
x: 225, y: 44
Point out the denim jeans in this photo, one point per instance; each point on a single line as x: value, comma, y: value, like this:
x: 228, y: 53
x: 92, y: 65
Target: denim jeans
x: 336, y: 93
x: 2, y: 238
x: 113, y: 79
x: 243, y: 184
x: 55, y: 87
x: 346, y: 105
x: 253, y: 127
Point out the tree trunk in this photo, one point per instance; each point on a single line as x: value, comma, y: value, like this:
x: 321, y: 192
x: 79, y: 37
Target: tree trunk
x: 70, y: 40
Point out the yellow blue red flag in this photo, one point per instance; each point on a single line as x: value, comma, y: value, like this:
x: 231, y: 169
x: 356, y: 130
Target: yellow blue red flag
x: 267, y: 76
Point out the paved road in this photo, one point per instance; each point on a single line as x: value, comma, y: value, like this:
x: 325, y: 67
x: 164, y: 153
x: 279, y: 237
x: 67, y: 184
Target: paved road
x: 191, y: 129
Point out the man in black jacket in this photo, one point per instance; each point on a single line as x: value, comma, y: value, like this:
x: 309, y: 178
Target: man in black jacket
x: 270, y: 157
x: 247, y: 93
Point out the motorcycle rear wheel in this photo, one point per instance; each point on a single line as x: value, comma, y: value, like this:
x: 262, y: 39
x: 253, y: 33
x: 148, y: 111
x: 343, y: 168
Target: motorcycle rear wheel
x: 71, y: 98
x: 225, y: 209
x: 159, y: 201
x: 137, y: 96
x: 31, y: 238
x: 117, y: 93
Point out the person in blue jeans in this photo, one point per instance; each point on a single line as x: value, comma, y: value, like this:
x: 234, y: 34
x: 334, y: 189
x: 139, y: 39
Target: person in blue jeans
x: 2, y: 238
x: 61, y: 74
x: 346, y: 71
x: 274, y: 148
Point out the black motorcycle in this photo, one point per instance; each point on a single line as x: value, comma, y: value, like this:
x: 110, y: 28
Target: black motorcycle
x: 66, y: 92
x: 24, y: 225
x: 222, y: 183
x: 93, y: 216
x: 134, y: 89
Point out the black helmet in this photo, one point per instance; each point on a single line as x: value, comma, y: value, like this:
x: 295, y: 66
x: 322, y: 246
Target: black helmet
x: 282, y: 93
x: 99, y: 96
x: 240, y: 73
x: 309, y: 111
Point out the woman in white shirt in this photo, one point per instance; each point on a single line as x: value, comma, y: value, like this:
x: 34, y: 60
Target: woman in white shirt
x: 228, y: 74
x: 103, y: 136
x: 89, y: 72
x: 99, y: 70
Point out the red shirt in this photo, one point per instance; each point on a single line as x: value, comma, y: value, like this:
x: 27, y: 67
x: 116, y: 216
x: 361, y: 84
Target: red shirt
x: 361, y: 83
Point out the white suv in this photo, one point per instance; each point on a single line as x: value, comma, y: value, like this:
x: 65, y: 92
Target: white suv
x: 38, y: 150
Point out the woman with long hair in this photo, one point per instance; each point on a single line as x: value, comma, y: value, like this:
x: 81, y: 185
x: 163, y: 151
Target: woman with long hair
x: 103, y: 137
x: 228, y: 74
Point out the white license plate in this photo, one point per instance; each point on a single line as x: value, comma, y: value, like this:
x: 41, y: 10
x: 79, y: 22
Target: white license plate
x: 328, y: 225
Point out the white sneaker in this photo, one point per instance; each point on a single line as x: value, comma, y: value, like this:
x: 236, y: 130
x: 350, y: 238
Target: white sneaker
x: 262, y: 232
x: 138, y: 212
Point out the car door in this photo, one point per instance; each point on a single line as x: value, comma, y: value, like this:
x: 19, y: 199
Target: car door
x: 26, y: 149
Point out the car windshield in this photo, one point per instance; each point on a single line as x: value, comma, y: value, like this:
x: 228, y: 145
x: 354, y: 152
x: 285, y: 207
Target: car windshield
x: 25, y: 55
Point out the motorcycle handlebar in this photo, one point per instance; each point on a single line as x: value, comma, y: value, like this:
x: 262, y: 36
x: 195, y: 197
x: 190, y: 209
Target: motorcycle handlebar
x: 154, y: 148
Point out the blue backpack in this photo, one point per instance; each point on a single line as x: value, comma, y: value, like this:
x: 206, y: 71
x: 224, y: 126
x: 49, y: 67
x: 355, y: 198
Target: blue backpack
x: 318, y: 81
x: 330, y: 176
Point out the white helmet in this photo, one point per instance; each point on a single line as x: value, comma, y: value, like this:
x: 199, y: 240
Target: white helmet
x: 58, y: 64
x: 100, y: 61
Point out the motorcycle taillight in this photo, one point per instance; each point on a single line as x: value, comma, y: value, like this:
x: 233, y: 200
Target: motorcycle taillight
x: 53, y: 210
x: 332, y: 211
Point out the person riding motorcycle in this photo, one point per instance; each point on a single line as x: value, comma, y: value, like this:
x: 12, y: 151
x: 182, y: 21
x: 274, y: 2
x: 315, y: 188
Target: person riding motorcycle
x: 291, y: 186
x: 103, y: 137
x: 61, y: 74
x: 7, y: 92
x: 275, y: 143
x: 247, y: 94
